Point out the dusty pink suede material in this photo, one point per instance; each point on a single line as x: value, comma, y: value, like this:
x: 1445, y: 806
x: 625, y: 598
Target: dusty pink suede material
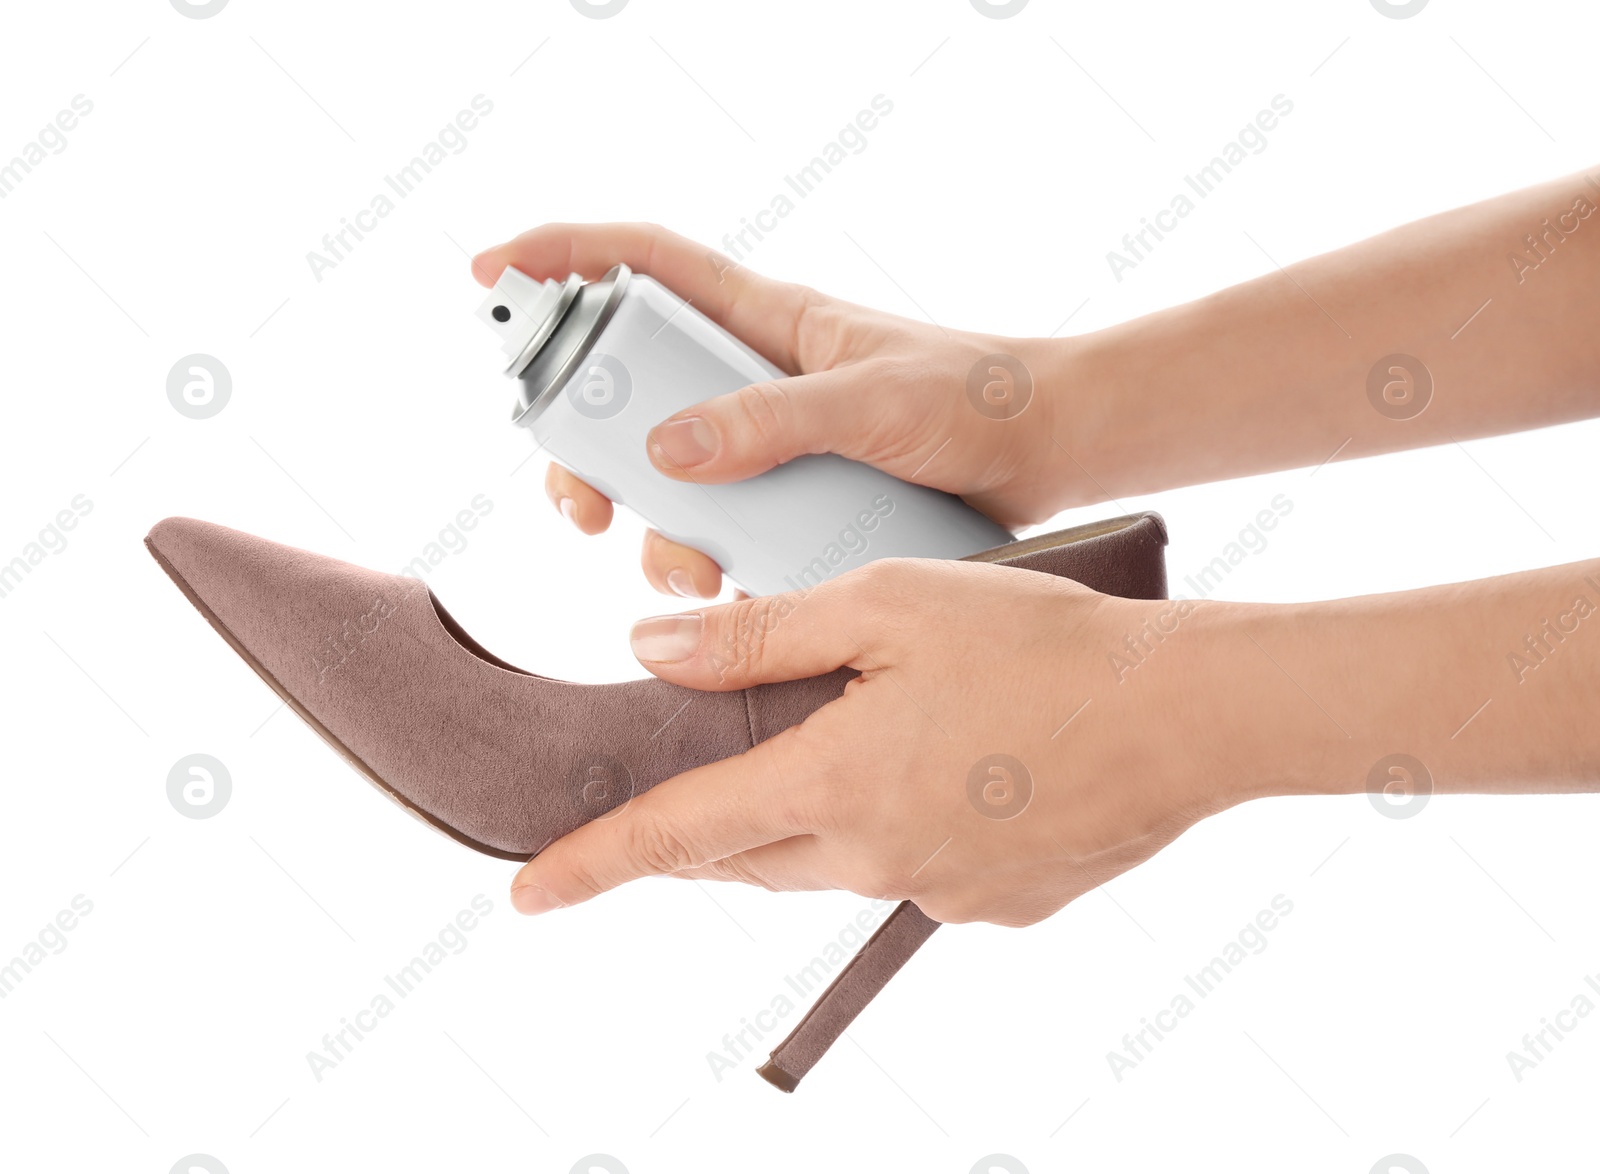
x: 885, y: 952
x: 511, y: 760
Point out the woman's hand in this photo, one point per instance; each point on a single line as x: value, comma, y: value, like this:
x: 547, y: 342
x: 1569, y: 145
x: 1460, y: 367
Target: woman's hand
x: 997, y: 757
x: 1286, y: 370
x: 1122, y: 723
x: 916, y: 400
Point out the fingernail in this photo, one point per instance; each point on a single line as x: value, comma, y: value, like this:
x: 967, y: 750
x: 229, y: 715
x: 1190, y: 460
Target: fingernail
x: 569, y: 509
x: 666, y: 639
x: 683, y: 583
x: 532, y: 899
x: 686, y: 442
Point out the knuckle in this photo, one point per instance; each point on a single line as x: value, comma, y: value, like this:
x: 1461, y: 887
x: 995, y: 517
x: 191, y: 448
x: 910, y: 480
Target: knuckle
x: 879, y: 879
x: 881, y: 578
x: 742, y: 630
x: 660, y: 849
x: 655, y: 236
x: 582, y: 882
x: 722, y: 870
x: 884, y: 594
x: 736, y: 868
x: 765, y: 410
x: 815, y: 325
x: 813, y: 799
x: 894, y: 381
x: 655, y: 556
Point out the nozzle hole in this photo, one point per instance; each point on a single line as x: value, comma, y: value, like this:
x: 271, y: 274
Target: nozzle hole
x: 501, y: 314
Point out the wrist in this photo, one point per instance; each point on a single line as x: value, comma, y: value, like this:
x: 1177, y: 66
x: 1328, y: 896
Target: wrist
x: 1117, y: 429
x: 1068, y: 386
x: 1269, y: 706
x: 1327, y: 697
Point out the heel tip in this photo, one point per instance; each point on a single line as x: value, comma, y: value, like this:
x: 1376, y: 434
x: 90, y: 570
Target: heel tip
x: 777, y: 1077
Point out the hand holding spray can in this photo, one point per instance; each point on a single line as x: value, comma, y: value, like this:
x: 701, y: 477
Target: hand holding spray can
x: 601, y: 363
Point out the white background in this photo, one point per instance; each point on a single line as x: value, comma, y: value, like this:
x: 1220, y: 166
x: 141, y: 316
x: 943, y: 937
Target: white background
x: 368, y: 408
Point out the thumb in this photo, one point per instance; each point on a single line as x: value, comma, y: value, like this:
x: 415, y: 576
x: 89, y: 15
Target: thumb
x: 781, y: 637
x: 748, y: 431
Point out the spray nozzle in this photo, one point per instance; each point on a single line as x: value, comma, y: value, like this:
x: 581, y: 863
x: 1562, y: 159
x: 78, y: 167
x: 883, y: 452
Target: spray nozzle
x: 525, y: 312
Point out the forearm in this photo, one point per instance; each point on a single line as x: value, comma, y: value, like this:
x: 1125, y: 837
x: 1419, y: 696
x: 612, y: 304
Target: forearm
x: 1494, y: 686
x: 1273, y: 373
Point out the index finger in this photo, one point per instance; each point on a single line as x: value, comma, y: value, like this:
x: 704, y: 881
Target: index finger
x: 705, y: 814
x: 761, y: 311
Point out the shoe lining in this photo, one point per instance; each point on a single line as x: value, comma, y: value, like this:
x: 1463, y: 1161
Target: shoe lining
x: 459, y: 635
x: 1053, y: 539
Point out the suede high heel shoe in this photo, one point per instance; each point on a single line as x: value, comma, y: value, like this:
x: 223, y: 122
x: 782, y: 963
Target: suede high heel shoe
x: 506, y: 761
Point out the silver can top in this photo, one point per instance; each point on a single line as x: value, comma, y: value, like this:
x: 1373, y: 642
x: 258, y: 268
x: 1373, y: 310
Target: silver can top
x: 546, y: 328
x: 525, y: 313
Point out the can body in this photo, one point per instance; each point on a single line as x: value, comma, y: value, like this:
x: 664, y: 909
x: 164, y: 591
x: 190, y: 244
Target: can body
x: 789, y: 528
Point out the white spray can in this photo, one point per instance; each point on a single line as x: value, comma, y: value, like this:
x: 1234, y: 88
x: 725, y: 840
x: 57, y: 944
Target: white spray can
x: 599, y: 364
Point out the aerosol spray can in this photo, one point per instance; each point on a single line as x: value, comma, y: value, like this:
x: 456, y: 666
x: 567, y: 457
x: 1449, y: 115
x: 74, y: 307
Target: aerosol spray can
x: 599, y: 364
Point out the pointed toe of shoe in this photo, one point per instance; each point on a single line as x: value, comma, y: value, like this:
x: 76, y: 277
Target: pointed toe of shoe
x: 270, y: 596
x: 500, y: 759
x: 353, y: 651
